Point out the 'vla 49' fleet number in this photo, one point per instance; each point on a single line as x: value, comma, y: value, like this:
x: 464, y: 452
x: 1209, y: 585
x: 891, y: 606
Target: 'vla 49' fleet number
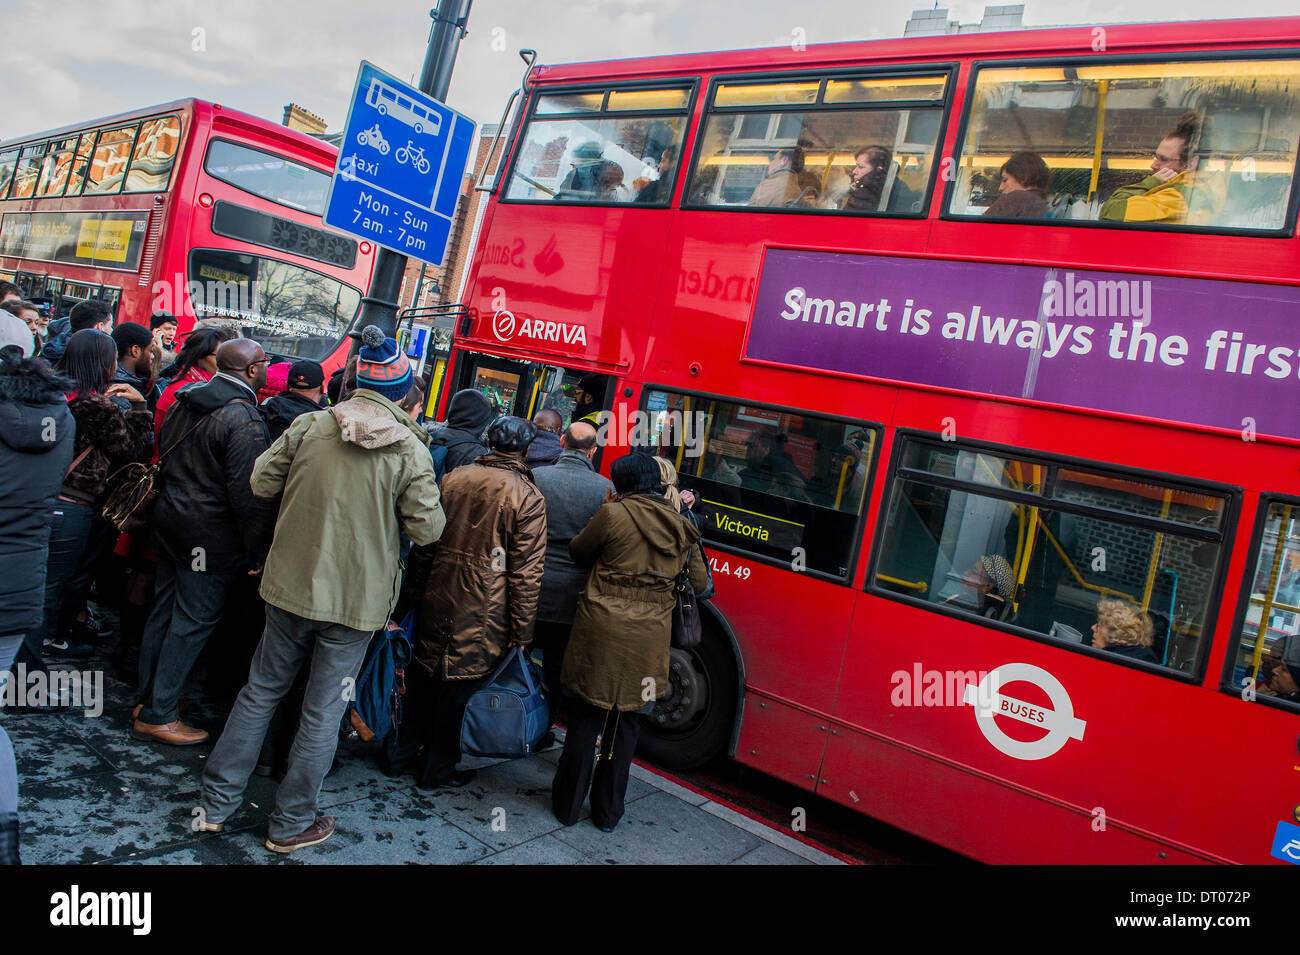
x: 726, y: 567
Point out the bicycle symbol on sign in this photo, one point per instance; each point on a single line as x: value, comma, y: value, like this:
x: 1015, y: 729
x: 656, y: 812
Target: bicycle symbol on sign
x: 374, y: 138
x: 414, y: 155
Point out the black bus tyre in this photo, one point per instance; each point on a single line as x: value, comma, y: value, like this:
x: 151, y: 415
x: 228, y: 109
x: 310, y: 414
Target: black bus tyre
x: 692, y: 723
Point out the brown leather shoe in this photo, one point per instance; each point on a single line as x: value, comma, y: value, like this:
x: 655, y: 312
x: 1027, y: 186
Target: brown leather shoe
x: 174, y: 733
x: 313, y: 835
x: 135, y: 710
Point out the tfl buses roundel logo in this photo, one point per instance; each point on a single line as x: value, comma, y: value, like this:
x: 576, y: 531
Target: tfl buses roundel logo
x: 1057, y: 721
x: 503, y: 325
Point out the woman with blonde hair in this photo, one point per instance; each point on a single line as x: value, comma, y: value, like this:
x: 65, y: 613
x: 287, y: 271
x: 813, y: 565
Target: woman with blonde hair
x: 1123, y: 628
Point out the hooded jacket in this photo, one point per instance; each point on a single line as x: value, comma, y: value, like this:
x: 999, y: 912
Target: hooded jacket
x: 348, y: 478
x: 544, y: 450
x: 280, y: 411
x: 56, y: 344
x: 482, y: 590
x: 468, y: 415
x: 206, y: 505
x: 36, y: 437
x: 635, y: 547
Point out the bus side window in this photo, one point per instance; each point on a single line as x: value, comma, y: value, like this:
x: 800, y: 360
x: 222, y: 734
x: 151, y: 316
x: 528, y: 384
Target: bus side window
x: 1175, y: 143
x: 108, y: 165
x: 1266, y: 658
x: 1089, y: 558
x: 785, y: 486
x: 623, y: 146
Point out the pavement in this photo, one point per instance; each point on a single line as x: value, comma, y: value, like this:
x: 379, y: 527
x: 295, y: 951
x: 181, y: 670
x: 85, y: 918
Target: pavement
x: 90, y: 794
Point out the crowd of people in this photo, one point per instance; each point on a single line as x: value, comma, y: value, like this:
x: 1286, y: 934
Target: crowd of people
x: 291, y: 518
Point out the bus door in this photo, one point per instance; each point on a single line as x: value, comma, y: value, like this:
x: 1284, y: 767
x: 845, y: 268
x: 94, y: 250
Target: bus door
x: 524, y: 388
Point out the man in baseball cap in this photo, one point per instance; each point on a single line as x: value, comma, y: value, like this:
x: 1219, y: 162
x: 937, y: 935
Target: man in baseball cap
x: 305, y: 392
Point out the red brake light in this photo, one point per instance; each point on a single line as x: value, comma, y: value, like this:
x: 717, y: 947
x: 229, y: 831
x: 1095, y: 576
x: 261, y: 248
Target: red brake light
x: 205, y: 200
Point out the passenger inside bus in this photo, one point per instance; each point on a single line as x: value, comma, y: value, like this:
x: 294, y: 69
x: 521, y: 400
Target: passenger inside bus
x: 1124, y: 629
x: 786, y: 182
x: 876, y: 183
x: 989, y: 586
x: 1163, y: 195
x: 660, y: 190
x: 1024, y: 182
x: 769, y: 468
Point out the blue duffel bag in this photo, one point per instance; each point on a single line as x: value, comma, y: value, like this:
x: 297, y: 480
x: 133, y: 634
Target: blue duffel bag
x: 510, y: 713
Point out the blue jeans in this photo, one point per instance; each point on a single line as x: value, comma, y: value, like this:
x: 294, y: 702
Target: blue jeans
x: 187, y: 606
x: 9, y: 644
x: 70, y: 524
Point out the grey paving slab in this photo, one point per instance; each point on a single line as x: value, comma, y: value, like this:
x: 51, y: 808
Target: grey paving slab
x: 769, y: 834
x: 507, y: 804
x: 46, y: 750
x: 769, y: 854
x: 646, y: 777
x: 544, y: 850
x: 662, y: 830
x: 391, y: 829
x: 108, y: 815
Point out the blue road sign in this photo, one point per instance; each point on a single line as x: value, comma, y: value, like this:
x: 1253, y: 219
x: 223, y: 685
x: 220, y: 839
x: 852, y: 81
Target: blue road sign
x: 400, y: 166
x: 1286, y: 843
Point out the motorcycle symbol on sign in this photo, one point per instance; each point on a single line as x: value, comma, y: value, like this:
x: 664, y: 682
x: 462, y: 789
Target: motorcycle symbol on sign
x: 373, y: 138
x: 414, y: 155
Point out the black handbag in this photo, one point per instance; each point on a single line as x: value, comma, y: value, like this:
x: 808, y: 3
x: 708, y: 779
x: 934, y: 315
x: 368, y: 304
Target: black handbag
x: 687, y: 630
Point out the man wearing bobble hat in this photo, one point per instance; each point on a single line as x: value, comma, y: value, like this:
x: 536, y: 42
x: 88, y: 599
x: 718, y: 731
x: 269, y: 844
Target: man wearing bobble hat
x: 349, y: 478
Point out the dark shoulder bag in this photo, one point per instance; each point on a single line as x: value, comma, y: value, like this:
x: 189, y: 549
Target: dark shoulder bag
x: 687, y: 629
x: 129, y: 505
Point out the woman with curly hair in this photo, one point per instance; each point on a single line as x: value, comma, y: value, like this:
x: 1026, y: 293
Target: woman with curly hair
x: 1123, y: 628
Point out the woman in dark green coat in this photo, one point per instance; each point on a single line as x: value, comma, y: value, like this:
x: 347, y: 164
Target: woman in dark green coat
x: 617, y: 658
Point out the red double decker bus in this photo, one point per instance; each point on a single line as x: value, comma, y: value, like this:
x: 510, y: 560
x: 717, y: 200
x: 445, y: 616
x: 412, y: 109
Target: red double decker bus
x: 980, y: 354
x: 190, y: 207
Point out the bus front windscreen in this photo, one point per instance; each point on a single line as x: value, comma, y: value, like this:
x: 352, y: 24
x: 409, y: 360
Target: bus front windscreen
x: 291, y: 311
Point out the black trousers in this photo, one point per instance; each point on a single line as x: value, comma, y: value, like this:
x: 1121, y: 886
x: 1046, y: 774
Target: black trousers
x: 433, y: 709
x: 581, y: 767
x: 553, y: 639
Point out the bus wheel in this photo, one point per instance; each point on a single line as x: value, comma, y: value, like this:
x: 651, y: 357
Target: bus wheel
x: 691, y: 723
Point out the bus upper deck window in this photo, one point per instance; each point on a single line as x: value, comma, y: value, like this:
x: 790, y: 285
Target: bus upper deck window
x: 155, y: 152
x: 108, y: 165
x: 606, y: 147
x: 854, y: 145
x: 1178, y: 143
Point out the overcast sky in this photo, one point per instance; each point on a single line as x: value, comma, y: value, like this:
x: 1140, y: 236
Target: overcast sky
x: 77, y: 60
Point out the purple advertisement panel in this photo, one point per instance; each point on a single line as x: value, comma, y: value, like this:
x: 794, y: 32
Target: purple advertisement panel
x: 1223, y: 354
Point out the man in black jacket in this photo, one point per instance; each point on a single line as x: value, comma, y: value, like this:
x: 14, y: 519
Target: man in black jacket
x: 207, y: 528
x: 468, y: 414
x: 303, y: 395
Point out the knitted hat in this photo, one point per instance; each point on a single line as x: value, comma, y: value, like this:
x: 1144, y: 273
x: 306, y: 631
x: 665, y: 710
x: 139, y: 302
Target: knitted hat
x: 381, y: 367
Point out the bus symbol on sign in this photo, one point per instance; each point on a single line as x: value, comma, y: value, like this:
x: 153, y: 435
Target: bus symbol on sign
x: 390, y: 102
x: 1059, y: 721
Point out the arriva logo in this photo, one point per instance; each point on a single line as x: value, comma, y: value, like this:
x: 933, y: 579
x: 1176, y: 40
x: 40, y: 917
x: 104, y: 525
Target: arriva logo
x: 505, y: 327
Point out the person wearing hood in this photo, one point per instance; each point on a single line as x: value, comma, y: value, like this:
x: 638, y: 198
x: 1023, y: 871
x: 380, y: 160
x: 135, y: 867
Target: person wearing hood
x: 546, y: 447
x: 468, y: 414
x: 481, y: 593
x: 207, y: 527
x: 636, y: 546
x: 303, y: 394
x: 84, y: 315
x: 349, y: 479
x: 36, y: 437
